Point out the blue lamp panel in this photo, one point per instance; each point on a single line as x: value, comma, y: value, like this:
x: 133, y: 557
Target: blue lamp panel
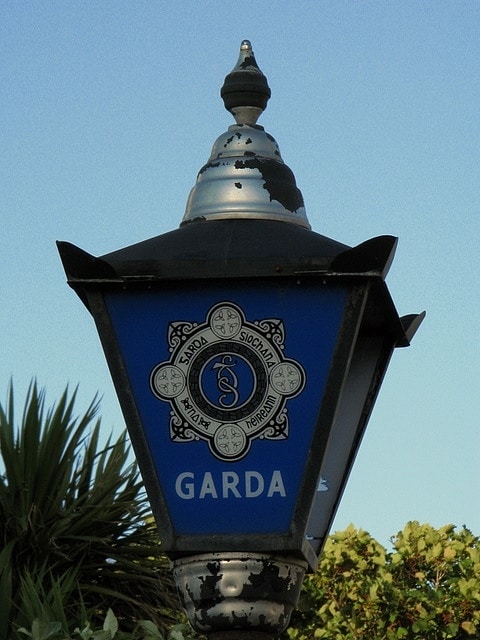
x: 228, y: 383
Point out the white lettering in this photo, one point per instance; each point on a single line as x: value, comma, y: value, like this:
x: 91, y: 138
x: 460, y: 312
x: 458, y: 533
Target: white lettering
x: 230, y: 481
x: 251, y: 485
x: 208, y: 486
x: 185, y: 490
x: 250, y: 492
x: 276, y: 485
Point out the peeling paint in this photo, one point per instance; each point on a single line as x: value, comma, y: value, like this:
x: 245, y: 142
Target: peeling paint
x: 229, y: 140
x: 209, y: 165
x: 267, y: 188
x: 278, y: 179
x: 239, y: 591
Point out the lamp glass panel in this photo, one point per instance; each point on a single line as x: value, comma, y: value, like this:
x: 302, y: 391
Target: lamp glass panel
x: 228, y: 382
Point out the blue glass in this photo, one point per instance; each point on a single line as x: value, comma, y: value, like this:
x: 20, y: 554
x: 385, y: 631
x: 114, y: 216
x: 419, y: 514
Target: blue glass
x: 256, y: 493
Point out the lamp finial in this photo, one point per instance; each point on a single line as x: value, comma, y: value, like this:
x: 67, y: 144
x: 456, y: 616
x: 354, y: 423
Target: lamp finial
x: 245, y: 91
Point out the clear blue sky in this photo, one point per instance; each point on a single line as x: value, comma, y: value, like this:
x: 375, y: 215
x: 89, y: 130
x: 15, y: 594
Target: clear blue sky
x: 108, y: 111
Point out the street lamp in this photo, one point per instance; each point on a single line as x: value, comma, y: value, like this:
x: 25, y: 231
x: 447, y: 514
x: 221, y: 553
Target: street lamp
x: 247, y: 352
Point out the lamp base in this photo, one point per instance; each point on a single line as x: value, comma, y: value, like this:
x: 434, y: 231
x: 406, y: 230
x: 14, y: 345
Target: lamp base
x: 231, y: 596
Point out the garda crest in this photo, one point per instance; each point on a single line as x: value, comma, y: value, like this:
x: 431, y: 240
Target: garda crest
x: 227, y: 381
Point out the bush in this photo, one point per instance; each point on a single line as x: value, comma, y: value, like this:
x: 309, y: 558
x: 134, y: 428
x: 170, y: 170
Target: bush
x: 426, y: 588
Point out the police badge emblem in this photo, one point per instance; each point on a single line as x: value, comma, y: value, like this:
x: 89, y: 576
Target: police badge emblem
x: 227, y: 381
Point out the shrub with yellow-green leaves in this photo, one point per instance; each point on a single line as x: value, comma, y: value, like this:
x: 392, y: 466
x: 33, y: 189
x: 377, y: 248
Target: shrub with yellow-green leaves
x: 427, y: 587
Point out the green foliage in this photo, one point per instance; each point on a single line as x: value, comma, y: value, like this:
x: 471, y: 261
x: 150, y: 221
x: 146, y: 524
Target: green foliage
x: 109, y: 630
x: 76, y: 536
x: 426, y: 588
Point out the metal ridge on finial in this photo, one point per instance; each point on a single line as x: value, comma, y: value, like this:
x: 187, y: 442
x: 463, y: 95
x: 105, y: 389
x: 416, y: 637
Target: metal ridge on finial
x: 245, y: 91
x: 245, y: 176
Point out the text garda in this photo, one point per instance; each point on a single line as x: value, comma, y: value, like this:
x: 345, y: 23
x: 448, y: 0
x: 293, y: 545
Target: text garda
x: 229, y: 484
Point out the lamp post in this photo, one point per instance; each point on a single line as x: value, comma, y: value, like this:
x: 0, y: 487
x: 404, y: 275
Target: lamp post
x: 247, y: 352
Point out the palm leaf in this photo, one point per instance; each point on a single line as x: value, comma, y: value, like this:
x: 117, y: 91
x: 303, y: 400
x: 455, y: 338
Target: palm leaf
x: 67, y: 502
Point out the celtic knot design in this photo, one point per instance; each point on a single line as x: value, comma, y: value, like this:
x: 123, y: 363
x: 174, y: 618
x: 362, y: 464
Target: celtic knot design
x: 227, y: 381
x: 274, y: 330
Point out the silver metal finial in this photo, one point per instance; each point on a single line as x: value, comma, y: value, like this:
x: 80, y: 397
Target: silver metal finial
x: 245, y: 176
